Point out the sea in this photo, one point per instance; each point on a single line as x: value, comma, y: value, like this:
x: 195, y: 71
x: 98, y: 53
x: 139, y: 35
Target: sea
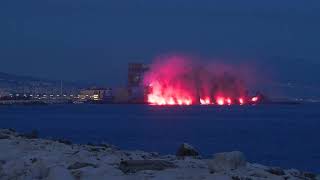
x: 275, y: 135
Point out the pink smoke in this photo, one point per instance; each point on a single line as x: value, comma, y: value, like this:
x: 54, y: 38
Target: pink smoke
x: 179, y: 80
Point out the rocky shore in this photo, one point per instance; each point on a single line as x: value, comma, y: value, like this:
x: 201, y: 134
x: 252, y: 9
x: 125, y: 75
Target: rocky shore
x: 26, y: 157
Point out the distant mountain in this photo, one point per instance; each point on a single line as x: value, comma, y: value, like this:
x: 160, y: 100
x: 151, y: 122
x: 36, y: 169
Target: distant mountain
x: 26, y: 84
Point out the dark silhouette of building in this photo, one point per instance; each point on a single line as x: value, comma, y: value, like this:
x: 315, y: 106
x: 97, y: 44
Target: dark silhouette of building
x: 135, y: 74
x: 136, y: 88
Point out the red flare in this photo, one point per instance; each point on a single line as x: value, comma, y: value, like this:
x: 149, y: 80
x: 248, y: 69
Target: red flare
x: 220, y: 101
x: 254, y: 99
x: 241, y: 101
x: 205, y: 101
x: 229, y: 101
x: 177, y: 80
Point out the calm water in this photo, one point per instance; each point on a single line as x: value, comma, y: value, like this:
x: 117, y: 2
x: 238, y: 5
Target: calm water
x: 277, y: 135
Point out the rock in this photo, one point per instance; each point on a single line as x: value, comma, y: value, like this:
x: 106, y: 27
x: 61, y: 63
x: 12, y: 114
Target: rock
x: 236, y: 178
x: 64, y: 141
x: 302, y: 175
x: 294, y: 172
x: 33, y: 135
x: 220, y: 177
x: 187, y: 150
x: 260, y: 174
x: 90, y: 144
x: 4, y: 136
x: 59, y: 173
x: 132, y: 166
x: 108, y: 146
x: 13, y: 170
x: 227, y: 161
x: 40, y: 159
x: 78, y: 165
x: 12, y: 130
x: 33, y: 160
x: 276, y: 171
x: 95, y: 149
x: 309, y: 175
x: 103, y: 145
x: 7, y: 131
x: 38, y: 170
x: 1, y: 170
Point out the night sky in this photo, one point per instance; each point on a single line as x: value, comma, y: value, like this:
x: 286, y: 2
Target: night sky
x: 93, y: 40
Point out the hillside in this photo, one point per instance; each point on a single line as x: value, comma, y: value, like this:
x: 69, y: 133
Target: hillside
x: 26, y: 84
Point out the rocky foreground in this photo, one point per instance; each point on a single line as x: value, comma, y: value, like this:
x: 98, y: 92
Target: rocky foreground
x: 25, y: 157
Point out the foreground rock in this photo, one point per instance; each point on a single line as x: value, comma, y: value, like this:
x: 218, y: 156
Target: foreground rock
x: 227, y: 161
x: 132, y: 166
x: 59, y: 172
x: 187, y: 150
x: 25, y: 158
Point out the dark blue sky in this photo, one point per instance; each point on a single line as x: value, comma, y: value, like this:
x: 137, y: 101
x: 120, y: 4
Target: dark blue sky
x: 93, y: 40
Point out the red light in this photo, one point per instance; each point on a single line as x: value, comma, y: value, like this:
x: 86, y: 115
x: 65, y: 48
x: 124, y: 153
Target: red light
x: 220, y: 101
x: 229, y: 101
x: 170, y: 80
x: 254, y: 99
x: 187, y: 102
x: 171, y: 101
x: 241, y: 101
x: 205, y: 101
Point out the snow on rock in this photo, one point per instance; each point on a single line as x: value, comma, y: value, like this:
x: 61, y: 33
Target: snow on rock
x: 59, y: 172
x: 25, y: 158
x: 132, y: 166
x: 227, y: 161
x: 187, y: 150
x: 79, y: 165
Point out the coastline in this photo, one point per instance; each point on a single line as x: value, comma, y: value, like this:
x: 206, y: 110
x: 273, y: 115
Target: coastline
x: 25, y: 156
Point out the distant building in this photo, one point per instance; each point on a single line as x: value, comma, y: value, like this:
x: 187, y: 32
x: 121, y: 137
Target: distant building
x: 136, y: 88
x: 4, y: 93
x: 96, y: 94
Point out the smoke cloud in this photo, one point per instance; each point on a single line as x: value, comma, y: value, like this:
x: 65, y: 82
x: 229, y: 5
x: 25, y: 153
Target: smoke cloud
x: 183, y: 80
